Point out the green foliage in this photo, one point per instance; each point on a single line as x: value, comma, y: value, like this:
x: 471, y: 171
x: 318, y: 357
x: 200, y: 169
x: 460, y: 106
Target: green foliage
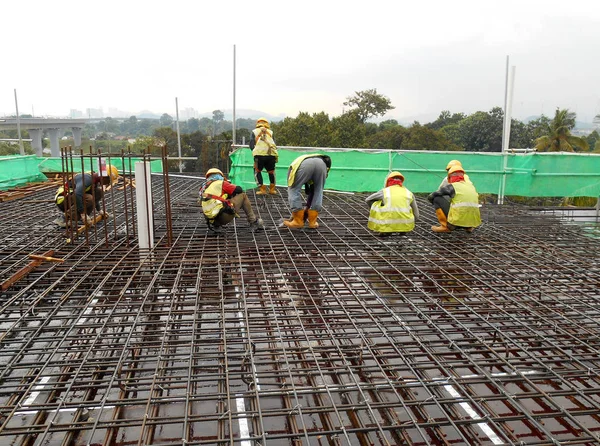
x: 558, y: 136
x: 348, y: 130
x: 389, y: 138
x: 420, y: 137
x: 166, y: 120
x: 479, y: 132
x: 304, y: 131
x: 593, y: 139
x: 368, y: 104
x: 446, y: 118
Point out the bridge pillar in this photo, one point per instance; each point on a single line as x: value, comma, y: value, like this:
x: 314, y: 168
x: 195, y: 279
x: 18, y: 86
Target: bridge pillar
x: 76, y: 136
x: 36, y: 141
x: 54, y: 142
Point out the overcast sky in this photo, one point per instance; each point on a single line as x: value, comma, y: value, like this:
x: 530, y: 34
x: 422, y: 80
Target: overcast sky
x: 292, y: 56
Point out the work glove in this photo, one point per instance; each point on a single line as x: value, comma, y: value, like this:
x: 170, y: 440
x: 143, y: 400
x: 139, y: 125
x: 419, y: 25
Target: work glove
x: 104, y: 214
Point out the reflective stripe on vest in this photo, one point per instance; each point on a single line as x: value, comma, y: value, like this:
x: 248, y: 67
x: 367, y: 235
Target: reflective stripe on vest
x: 295, y: 164
x: 396, y: 214
x: 464, y: 207
x: 212, y: 206
x: 265, y: 145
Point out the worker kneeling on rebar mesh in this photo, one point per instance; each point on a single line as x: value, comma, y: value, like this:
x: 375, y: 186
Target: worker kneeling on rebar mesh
x: 462, y: 211
x: 311, y: 172
x: 221, y: 201
x: 393, y: 209
x: 87, y: 191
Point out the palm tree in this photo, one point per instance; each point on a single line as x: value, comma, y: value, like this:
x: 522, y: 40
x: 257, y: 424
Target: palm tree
x: 559, y: 138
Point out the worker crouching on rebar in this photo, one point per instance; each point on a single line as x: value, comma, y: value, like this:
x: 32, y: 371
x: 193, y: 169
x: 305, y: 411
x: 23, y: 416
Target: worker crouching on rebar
x: 311, y: 172
x: 265, y: 155
x: 462, y: 211
x: 221, y: 201
x: 87, y: 189
x: 393, y: 209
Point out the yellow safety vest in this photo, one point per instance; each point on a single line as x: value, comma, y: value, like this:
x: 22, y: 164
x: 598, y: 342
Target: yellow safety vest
x: 394, y: 213
x: 464, y: 206
x: 296, y: 163
x: 265, y: 145
x: 212, y: 199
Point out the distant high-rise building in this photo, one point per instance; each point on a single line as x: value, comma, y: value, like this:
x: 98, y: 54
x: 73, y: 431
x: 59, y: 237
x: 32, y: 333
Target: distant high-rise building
x: 94, y: 112
x: 74, y: 114
x: 187, y: 113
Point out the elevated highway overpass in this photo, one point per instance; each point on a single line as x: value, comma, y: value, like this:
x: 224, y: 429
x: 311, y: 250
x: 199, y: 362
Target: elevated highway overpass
x: 55, y: 127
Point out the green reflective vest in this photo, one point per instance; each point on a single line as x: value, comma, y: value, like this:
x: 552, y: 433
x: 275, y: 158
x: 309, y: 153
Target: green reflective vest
x: 464, y: 207
x: 265, y: 145
x: 393, y: 213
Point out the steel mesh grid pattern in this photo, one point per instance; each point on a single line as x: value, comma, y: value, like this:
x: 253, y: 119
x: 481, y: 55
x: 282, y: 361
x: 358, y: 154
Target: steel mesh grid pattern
x: 302, y: 337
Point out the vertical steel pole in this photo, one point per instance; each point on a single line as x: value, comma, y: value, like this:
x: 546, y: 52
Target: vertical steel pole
x: 233, y: 125
x: 21, y: 148
x: 178, y: 136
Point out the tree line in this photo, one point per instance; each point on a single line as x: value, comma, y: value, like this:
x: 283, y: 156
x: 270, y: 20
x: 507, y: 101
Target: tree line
x: 208, y: 139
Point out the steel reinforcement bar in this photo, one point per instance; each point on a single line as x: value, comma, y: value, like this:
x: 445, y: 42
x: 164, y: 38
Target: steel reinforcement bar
x: 331, y: 336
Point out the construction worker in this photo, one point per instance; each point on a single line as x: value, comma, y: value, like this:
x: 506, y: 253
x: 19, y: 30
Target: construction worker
x: 311, y: 172
x: 463, y: 209
x: 265, y: 155
x: 448, y: 166
x: 88, y: 191
x: 393, y: 208
x: 221, y: 201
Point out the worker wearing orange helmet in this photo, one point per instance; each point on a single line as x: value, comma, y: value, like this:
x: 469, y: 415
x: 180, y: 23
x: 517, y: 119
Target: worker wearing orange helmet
x: 265, y: 155
x: 221, y: 201
x: 393, y: 209
x: 463, y: 209
x: 88, y: 192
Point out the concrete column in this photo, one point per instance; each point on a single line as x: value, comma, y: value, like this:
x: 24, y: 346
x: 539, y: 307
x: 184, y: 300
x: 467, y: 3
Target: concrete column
x: 36, y: 141
x: 54, y: 142
x: 76, y: 136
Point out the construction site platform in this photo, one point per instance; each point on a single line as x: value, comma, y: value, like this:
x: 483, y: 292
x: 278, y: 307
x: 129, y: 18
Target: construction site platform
x: 332, y: 336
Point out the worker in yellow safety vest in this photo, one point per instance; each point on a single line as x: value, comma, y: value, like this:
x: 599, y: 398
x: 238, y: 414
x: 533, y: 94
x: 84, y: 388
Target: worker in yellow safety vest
x: 393, y: 209
x: 311, y: 172
x: 463, y: 209
x: 87, y: 190
x: 221, y: 201
x: 265, y: 155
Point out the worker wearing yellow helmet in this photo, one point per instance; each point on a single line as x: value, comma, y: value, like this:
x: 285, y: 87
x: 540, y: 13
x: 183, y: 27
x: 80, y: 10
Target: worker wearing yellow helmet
x: 450, y: 164
x: 462, y: 211
x: 221, y: 201
x: 82, y: 196
x: 393, y: 209
x: 265, y: 155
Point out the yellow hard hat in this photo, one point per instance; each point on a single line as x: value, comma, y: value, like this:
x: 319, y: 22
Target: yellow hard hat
x: 455, y: 168
x: 212, y: 171
x: 262, y: 122
x: 394, y: 174
x: 453, y: 163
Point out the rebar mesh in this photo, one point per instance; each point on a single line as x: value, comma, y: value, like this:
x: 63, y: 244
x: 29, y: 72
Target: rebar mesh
x: 329, y: 336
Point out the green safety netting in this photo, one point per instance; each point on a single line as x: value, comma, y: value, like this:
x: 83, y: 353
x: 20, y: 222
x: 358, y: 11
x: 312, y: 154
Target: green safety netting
x: 526, y: 174
x: 16, y: 170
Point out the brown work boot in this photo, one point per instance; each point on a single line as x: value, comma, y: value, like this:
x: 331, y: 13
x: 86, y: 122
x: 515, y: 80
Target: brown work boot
x: 443, y: 226
x: 272, y: 189
x: 296, y: 221
x: 312, y: 219
x: 262, y: 190
x: 469, y: 230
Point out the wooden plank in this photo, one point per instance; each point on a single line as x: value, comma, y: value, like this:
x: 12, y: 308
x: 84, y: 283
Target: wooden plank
x: 24, y: 271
